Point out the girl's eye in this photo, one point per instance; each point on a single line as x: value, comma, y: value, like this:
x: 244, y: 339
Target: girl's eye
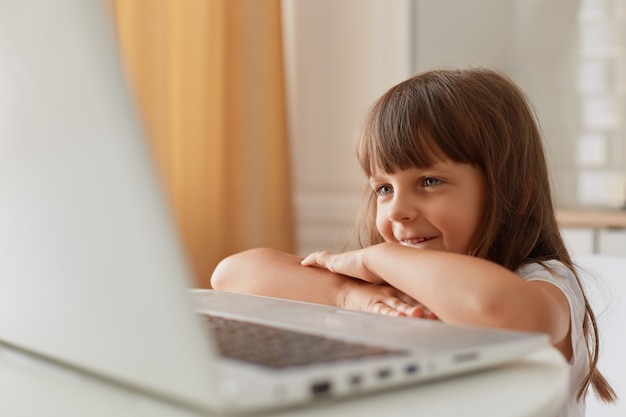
x: 430, y: 182
x: 383, y: 190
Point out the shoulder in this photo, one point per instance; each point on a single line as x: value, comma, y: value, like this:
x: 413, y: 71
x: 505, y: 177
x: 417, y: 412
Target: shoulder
x: 551, y: 269
x: 557, y: 274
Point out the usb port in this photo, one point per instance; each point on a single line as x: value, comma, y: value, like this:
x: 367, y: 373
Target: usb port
x: 411, y: 368
x: 356, y: 380
x: 320, y: 389
x: 384, y: 373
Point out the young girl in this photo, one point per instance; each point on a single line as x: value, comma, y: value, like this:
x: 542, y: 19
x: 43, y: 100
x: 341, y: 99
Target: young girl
x: 460, y: 224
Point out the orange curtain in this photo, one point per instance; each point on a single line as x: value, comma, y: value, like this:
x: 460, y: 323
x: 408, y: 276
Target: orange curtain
x: 208, y: 77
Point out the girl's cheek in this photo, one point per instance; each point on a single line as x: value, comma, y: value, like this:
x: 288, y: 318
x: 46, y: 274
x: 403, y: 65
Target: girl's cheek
x: 383, y: 227
x: 385, y: 232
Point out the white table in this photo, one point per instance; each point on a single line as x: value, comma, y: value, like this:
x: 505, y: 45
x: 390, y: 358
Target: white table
x: 532, y: 387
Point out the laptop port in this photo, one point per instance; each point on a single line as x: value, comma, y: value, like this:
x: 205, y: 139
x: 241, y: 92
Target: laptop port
x: 411, y: 369
x: 356, y: 380
x: 320, y: 389
x: 384, y: 373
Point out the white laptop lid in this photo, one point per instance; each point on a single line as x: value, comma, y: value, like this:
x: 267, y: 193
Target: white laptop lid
x: 72, y: 163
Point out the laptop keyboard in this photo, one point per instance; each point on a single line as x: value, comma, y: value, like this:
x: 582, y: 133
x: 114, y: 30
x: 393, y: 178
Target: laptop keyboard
x: 279, y: 348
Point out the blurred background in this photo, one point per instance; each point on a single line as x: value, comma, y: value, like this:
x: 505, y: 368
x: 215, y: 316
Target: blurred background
x: 253, y: 106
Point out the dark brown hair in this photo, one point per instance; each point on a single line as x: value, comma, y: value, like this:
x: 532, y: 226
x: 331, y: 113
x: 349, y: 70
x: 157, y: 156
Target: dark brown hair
x: 480, y: 117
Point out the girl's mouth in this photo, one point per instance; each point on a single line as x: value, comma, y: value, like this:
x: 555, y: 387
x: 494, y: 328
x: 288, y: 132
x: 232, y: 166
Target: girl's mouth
x: 415, y: 241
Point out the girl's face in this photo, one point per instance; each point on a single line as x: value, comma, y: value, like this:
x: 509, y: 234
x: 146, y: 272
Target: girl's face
x: 438, y: 208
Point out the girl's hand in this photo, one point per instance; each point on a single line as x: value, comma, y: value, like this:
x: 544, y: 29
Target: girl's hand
x: 346, y: 263
x: 380, y: 299
x: 368, y: 292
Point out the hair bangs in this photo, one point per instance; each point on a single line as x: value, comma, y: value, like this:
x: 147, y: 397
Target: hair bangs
x: 395, y: 138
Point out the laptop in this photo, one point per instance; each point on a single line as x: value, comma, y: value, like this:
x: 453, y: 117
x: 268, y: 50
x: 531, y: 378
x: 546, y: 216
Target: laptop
x: 93, y: 276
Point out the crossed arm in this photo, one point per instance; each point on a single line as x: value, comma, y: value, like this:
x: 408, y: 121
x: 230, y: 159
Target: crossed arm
x: 397, y: 280
x: 273, y: 273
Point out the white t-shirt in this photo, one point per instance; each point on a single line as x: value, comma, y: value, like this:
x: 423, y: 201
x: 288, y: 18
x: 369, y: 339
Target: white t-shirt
x: 563, y: 278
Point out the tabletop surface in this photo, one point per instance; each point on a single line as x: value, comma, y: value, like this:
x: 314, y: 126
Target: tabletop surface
x: 533, y: 386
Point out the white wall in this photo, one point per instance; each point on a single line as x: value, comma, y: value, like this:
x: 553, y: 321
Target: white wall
x: 340, y: 55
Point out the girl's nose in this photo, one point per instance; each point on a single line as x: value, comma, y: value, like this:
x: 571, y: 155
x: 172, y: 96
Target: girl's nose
x: 402, y: 209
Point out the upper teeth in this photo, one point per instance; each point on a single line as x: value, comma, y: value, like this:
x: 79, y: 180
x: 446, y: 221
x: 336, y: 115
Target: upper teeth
x: 414, y: 241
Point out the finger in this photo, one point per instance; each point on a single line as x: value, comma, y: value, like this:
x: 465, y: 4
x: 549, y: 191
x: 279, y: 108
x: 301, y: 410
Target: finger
x: 432, y: 316
x: 416, y: 311
x: 308, y: 261
x: 406, y: 305
x: 396, y: 307
x: 407, y: 299
x: 385, y: 309
x: 313, y: 259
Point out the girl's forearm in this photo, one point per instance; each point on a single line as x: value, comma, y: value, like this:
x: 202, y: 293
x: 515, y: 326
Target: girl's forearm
x: 458, y: 288
x: 277, y: 274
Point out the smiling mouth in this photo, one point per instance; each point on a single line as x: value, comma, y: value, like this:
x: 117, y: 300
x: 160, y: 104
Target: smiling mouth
x: 416, y: 241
